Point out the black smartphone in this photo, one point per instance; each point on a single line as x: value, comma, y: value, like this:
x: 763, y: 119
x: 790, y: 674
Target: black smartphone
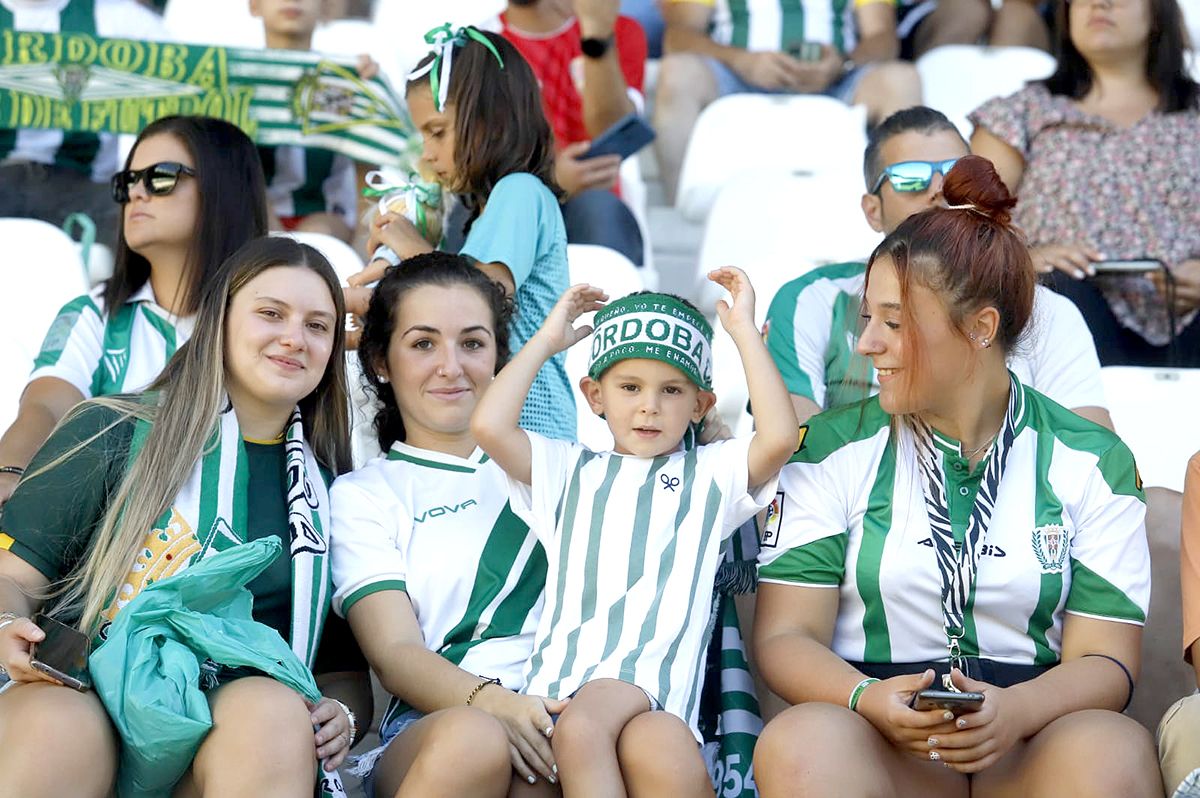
x: 1134, y: 266
x: 958, y: 703
x: 624, y: 138
x: 63, y: 655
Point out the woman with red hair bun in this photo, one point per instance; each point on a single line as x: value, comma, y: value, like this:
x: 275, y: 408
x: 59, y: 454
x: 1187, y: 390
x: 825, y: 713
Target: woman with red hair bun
x: 958, y: 532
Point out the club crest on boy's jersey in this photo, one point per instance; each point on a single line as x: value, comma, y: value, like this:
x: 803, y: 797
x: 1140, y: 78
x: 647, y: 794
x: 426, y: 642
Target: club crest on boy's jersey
x: 440, y: 510
x: 1050, y: 545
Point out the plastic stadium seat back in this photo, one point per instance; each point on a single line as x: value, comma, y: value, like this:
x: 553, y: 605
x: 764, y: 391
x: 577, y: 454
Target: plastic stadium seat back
x: 958, y: 78
x: 1154, y: 412
x: 341, y: 256
x: 42, y: 273
x: 756, y: 132
x: 612, y: 271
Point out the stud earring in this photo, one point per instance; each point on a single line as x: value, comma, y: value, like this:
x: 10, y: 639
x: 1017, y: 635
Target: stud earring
x: 986, y: 343
x: 972, y: 336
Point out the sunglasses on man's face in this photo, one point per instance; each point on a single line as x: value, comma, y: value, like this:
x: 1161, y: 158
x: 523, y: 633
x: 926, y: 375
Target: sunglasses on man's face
x: 159, y: 179
x: 912, y: 176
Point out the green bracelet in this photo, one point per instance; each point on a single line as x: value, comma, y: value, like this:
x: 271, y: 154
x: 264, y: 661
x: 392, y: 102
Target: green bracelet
x: 857, y: 692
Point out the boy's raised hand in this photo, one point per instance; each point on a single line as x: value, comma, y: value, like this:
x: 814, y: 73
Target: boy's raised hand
x: 740, y: 315
x: 558, y: 330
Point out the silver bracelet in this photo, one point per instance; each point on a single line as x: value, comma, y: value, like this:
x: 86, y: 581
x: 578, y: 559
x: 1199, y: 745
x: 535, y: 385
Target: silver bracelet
x: 8, y: 617
x: 353, y: 722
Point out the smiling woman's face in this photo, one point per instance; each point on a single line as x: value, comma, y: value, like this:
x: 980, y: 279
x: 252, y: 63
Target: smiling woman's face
x: 440, y: 360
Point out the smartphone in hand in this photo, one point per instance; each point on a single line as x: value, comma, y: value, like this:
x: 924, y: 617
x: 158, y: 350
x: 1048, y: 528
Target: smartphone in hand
x: 958, y: 703
x: 1136, y: 266
x: 62, y: 655
x: 626, y: 137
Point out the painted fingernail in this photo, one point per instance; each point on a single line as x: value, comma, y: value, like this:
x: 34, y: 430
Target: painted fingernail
x: 553, y: 780
x: 947, y: 715
x: 549, y: 731
x: 934, y: 756
x: 961, y: 723
x: 530, y: 779
x: 933, y: 741
x: 555, y: 769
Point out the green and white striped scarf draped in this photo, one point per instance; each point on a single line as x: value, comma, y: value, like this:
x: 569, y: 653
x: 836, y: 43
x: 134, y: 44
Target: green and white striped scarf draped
x: 210, y: 514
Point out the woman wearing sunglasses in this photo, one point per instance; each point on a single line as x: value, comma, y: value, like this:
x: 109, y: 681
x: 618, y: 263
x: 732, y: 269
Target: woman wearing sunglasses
x: 1104, y: 155
x: 192, y: 192
x: 957, y: 531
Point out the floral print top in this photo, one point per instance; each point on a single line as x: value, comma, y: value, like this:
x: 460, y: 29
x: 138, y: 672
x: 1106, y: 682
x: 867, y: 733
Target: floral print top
x: 1130, y: 193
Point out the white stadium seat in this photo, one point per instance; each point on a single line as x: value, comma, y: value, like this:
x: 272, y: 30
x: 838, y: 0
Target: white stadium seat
x: 775, y: 228
x: 403, y: 23
x: 341, y: 256
x: 1154, y: 412
x: 755, y: 132
x: 612, y: 271
x: 43, y: 272
x: 227, y: 23
x: 958, y: 78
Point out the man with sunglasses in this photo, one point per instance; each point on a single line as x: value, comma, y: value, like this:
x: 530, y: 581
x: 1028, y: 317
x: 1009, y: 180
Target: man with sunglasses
x: 49, y: 174
x: 812, y: 323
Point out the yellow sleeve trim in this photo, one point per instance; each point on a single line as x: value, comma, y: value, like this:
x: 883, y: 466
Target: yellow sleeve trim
x: 6, y: 542
x: 861, y: 3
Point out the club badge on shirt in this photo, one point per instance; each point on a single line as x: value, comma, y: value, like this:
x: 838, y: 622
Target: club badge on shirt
x: 772, y: 523
x: 1050, y: 545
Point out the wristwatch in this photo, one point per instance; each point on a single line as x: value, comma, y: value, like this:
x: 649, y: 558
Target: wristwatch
x: 596, y: 48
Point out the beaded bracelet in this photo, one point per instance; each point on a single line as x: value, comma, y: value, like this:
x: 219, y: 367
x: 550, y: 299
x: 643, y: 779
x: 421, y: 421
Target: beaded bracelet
x: 12, y: 470
x: 857, y: 692
x: 486, y: 681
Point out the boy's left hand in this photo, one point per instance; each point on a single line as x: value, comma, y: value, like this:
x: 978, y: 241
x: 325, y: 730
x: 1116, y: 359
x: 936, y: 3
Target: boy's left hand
x: 740, y: 316
x: 367, y: 67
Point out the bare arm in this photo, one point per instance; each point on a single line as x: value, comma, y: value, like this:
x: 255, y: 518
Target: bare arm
x: 877, y: 39
x: 774, y: 421
x: 686, y: 31
x: 495, y: 422
x: 604, y: 93
x: 1009, y: 162
x: 18, y: 582
x: 805, y: 408
x: 386, y: 627
x: 1097, y: 414
x: 43, y: 404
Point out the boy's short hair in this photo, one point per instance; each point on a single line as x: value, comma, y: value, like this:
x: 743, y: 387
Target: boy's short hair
x: 657, y: 326
x: 919, y: 118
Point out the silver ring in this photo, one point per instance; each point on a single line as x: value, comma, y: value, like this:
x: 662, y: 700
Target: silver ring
x: 3, y: 671
x: 934, y: 756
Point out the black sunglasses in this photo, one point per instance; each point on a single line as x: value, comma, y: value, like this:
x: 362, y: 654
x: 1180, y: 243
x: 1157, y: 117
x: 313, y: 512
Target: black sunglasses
x: 159, y: 179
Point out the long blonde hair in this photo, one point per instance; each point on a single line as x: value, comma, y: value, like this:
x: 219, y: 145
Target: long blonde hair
x: 184, y: 404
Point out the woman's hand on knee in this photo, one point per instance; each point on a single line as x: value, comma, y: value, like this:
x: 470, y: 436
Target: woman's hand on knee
x: 526, y: 721
x: 16, y: 641
x: 886, y: 705
x: 332, y: 732
x: 979, y: 738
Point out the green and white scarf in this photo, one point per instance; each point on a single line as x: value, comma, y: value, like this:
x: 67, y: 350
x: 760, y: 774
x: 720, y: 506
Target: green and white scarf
x: 209, y: 515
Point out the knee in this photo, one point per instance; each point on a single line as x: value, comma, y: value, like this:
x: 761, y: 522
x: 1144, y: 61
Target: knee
x: 826, y: 730
x: 53, y: 718
x: 682, y: 77
x: 655, y: 740
x: 1129, y: 766
x: 465, y: 735
x: 267, y: 716
x: 894, y: 79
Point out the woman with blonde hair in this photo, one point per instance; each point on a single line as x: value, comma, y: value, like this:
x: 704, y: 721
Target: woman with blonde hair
x: 236, y: 441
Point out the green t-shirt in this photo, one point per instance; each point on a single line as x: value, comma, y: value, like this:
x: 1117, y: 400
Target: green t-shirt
x: 52, y: 517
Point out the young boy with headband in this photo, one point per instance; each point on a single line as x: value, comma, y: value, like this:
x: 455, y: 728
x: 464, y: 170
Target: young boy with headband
x: 633, y: 536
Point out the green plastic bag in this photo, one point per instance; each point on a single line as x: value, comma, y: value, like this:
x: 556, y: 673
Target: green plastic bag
x: 148, y: 670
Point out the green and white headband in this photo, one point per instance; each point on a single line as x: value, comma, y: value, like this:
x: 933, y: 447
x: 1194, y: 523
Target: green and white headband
x: 444, y: 40
x: 655, y: 326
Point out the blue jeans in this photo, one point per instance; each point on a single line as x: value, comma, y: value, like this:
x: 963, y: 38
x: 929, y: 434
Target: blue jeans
x: 730, y: 82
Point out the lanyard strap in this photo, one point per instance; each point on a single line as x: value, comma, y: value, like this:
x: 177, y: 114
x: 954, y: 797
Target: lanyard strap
x: 959, y: 564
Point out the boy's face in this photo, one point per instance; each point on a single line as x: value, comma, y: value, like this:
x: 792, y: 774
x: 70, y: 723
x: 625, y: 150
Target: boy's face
x: 648, y: 405
x: 288, y: 17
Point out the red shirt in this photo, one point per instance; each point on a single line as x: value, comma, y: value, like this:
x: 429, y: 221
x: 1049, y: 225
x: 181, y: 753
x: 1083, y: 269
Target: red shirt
x: 556, y: 59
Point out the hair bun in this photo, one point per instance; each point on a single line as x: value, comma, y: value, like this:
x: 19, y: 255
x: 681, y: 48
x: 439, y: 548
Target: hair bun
x: 974, y: 181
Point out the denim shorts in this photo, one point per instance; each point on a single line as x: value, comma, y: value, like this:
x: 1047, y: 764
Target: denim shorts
x: 730, y: 82
x: 364, y: 765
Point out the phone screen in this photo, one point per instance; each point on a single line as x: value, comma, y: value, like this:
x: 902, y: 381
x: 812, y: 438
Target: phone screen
x: 63, y: 654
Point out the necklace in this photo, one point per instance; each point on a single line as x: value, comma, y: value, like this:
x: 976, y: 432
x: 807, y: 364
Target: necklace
x: 978, y: 449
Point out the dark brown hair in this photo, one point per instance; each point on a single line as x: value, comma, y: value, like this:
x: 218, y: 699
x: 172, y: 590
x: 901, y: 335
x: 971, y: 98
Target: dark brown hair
x: 970, y: 255
x: 499, y: 125
x: 430, y: 268
x: 1166, y: 66
x: 233, y: 208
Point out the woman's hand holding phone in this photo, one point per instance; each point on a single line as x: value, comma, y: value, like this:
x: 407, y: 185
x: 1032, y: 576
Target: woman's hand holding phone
x: 886, y: 705
x: 16, y: 641
x: 977, y: 740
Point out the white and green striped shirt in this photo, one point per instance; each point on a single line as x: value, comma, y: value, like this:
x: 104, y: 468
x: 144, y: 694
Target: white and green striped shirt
x: 95, y: 154
x: 783, y: 24
x: 439, y: 527
x: 307, y: 180
x: 101, y: 354
x: 812, y: 330
x: 633, y: 545
x: 1067, y: 535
